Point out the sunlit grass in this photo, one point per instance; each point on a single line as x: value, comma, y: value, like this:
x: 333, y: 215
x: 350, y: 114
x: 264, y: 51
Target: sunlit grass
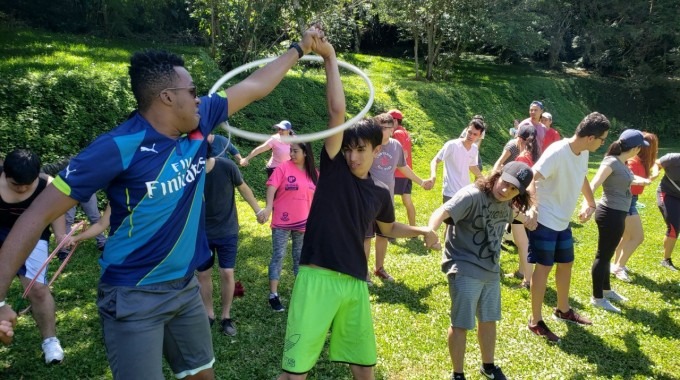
x: 411, y: 315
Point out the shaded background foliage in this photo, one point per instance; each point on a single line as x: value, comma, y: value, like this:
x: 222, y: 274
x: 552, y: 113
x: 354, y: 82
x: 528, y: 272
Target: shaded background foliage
x: 61, y: 107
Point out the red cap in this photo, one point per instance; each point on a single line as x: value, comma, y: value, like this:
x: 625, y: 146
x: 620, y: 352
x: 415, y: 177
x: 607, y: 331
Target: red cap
x: 396, y: 114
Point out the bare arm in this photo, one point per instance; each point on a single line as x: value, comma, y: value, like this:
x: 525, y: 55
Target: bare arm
x: 410, y: 174
x: 258, y: 150
x: 271, y: 193
x: 499, y: 163
x: 433, y: 168
x: 404, y: 230
x: 260, y: 83
x: 249, y: 197
x: 602, y: 174
x: 475, y: 170
x: 588, y: 207
x: 437, y: 218
x: 59, y: 224
x: 335, y: 97
x: 47, y: 207
x: 96, y: 228
x: 531, y: 219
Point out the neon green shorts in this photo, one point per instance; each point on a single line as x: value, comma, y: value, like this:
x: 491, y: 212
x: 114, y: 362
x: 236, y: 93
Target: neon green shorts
x: 323, y: 299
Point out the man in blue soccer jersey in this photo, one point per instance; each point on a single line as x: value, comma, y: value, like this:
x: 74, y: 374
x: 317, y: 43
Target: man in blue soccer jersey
x: 152, y: 167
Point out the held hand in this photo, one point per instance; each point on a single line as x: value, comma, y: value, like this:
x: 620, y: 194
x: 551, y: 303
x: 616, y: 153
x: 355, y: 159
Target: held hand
x: 311, y: 38
x: 530, y: 224
x: 531, y: 220
x: 324, y: 48
x: 432, y: 240
x: 8, y: 319
x: 244, y: 162
x: 586, y: 213
x: 70, y: 241
x: 263, y: 215
x: 428, y: 184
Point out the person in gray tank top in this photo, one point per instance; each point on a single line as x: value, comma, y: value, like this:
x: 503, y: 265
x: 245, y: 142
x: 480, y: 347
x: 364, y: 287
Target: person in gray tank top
x: 612, y: 209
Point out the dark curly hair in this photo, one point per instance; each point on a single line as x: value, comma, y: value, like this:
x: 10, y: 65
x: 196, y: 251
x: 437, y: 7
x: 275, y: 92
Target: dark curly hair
x: 521, y: 202
x: 150, y: 72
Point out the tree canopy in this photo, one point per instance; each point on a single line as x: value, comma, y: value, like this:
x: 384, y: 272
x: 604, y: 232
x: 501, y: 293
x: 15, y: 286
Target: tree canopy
x: 632, y: 39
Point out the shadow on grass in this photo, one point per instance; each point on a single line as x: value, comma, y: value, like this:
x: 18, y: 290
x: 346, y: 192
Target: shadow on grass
x: 412, y: 246
x: 609, y: 361
x: 399, y: 293
x: 669, y: 290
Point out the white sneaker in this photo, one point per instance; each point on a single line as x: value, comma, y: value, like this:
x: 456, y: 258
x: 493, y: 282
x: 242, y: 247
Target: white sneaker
x: 614, y: 296
x: 604, y: 303
x: 613, y: 268
x: 54, y: 354
x: 622, y: 275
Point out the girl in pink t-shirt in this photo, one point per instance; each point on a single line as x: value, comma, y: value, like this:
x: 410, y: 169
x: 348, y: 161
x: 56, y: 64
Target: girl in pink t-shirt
x: 290, y: 190
x: 280, y: 150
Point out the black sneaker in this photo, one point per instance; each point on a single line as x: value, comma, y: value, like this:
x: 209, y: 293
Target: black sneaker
x: 62, y: 255
x: 276, y: 305
x: 211, y: 321
x: 228, y: 327
x: 496, y: 373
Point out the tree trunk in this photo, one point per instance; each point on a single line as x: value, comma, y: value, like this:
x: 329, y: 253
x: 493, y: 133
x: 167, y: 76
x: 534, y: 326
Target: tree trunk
x: 213, y: 28
x: 415, y: 53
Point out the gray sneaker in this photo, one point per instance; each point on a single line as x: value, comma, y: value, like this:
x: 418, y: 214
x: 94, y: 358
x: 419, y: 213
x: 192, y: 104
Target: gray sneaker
x: 604, y: 303
x: 228, y: 327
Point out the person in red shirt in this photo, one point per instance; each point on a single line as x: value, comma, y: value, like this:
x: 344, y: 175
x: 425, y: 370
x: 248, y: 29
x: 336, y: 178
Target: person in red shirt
x: 551, y: 135
x: 403, y: 185
x: 642, y: 165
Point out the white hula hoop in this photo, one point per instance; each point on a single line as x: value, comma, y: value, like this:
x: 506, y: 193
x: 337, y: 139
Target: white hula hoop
x: 304, y: 137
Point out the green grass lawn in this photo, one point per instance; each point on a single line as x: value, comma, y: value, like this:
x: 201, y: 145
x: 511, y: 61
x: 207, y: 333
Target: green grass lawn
x: 411, y: 315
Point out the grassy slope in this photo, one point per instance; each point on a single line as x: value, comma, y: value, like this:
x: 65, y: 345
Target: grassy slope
x: 411, y: 315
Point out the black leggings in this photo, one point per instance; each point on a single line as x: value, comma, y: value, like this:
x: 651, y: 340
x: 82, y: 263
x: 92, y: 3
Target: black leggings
x: 610, y: 226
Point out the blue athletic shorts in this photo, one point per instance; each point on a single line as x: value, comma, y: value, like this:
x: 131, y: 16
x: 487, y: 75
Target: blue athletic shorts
x: 225, y: 250
x: 547, y: 246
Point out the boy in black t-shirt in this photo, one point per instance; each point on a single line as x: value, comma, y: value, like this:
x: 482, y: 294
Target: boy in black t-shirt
x: 333, y: 265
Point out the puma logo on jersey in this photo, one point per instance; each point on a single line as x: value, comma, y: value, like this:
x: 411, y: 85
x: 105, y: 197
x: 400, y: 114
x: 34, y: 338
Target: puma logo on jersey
x: 145, y: 149
x: 69, y: 171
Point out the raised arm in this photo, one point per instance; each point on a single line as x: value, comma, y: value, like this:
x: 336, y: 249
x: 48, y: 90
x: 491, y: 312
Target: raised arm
x: 335, y: 96
x: 260, y: 83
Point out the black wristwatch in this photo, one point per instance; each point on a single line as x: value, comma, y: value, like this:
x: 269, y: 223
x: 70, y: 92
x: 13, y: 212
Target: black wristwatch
x: 297, y: 47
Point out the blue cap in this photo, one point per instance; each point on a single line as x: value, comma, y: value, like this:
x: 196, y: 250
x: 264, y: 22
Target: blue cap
x: 284, y: 125
x: 632, y: 138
